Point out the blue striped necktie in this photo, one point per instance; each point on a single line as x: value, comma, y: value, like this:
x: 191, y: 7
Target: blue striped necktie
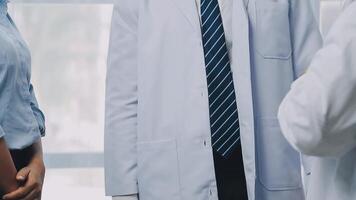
x: 224, y: 119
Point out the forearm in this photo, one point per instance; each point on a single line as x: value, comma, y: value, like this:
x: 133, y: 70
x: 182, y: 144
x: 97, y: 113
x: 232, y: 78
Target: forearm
x: 8, y: 171
x: 36, y: 153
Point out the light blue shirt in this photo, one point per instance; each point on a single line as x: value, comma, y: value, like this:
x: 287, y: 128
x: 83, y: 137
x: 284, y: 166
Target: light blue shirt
x: 21, y: 121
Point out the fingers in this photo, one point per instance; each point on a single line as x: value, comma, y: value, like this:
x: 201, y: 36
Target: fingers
x: 23, y: 191
x: 33, y: 195
x: 31, y: 187
x: 22, y: 175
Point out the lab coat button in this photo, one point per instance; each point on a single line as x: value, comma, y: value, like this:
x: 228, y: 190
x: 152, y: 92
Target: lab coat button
x: 206, y: 143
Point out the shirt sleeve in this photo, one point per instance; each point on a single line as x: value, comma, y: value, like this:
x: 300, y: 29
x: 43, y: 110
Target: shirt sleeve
x: 37, y: 112
x: 7, y: 81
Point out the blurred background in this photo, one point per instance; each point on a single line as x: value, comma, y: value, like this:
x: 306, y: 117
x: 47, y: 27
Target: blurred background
x: 69, y: 44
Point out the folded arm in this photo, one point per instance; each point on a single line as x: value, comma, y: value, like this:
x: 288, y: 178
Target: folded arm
x: 318, y: 116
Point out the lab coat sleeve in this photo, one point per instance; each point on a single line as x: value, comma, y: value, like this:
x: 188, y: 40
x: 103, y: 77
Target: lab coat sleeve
x: 127, y: 197
x: 37, y: 112
x: 318, y: 116
x: 305, y: 35
x: 121, y: 102
x: 7, y: 81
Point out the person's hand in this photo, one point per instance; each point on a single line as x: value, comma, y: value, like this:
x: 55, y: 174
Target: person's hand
x: 126, y: 197
x: 8, y: 170
x: 31, y: 180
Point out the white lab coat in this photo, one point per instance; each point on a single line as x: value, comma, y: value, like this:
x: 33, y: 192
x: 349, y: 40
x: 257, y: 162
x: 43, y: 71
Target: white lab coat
x: 318, y: 116
x: 157, y: 130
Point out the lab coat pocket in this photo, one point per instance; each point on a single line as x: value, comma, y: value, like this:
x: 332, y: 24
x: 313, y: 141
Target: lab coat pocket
x: 158, y: 172
x: 273, y: 29
x: 279, y: 165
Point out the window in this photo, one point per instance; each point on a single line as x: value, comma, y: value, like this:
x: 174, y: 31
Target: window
x: 69, y: 44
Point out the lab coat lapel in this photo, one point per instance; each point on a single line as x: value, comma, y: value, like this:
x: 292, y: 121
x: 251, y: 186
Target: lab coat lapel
x: 189, y: 10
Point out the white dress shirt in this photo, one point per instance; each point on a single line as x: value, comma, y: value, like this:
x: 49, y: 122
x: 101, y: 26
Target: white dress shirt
x: 226, y: 14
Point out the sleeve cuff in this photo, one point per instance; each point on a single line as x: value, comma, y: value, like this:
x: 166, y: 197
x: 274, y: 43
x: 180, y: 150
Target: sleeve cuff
x: 41, y: 123
x: 43, y: 131
x: 126, y: 197
x: 122, y: 190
